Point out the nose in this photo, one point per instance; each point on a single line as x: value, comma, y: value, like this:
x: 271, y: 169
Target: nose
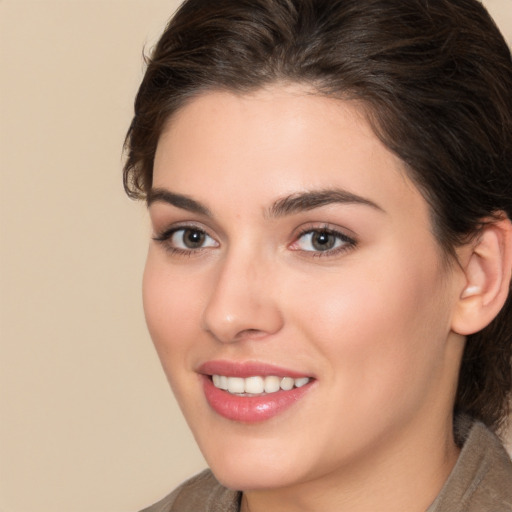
x: 243, y: 300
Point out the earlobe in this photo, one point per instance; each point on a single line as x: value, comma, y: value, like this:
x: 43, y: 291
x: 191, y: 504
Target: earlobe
x: 487, y: 270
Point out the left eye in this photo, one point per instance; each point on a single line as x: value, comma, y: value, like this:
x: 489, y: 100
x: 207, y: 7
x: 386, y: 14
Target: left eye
x: 321, y: 241
x: 190, y: 238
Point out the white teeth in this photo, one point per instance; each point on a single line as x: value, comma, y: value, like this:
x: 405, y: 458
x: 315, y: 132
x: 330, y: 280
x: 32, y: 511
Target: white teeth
x: 287, y: 383
x: 257, y: 385
x: 301, y: 382
x: 236, y: 385
x: 272, y: 384
x: 254, y: 385
x: 223, y: 382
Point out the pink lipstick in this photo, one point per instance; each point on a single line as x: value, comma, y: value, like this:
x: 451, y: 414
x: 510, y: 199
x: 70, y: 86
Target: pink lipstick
x: 251, y: 392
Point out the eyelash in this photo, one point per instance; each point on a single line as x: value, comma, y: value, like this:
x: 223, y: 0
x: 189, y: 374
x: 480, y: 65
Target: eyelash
x: 347, y: 244
x: 165, y: 237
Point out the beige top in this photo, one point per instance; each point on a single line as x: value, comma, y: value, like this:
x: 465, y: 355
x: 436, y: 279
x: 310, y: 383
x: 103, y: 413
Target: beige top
x: 481, y: 481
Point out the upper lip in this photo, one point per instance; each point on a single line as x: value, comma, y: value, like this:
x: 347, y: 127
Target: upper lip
x: 247, y: 369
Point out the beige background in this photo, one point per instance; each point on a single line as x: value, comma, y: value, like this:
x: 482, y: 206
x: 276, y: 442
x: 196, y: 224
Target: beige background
x: 87, y: 423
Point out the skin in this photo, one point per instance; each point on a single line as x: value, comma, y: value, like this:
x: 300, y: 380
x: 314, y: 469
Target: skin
x: 371, y: 322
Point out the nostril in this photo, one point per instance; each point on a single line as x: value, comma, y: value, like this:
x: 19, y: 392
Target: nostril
x: 250, y: 334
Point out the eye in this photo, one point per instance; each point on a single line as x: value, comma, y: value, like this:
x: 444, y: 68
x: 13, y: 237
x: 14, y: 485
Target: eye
x: 186, y: 239
x: 190, y: 238
x: 322, y: 240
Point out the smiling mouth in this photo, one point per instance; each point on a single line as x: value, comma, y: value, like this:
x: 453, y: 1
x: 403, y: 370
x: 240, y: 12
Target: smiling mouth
x: 257, y: 385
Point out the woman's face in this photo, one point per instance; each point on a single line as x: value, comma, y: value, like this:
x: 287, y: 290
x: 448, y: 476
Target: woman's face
x: 294, y: 259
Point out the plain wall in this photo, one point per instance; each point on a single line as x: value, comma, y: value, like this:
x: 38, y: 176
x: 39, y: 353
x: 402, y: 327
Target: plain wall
x: 87, y: 422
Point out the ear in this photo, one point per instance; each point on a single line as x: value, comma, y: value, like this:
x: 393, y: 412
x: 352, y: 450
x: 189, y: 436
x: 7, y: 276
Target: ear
x: 487, y: 266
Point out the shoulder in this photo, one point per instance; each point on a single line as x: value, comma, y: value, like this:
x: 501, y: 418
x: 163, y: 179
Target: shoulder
x: 481, y: 481
x: 201, y: 493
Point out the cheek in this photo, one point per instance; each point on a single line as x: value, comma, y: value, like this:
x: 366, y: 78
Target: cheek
x: 171, y: 309
x: 378, y: 323
x: 381, y: 337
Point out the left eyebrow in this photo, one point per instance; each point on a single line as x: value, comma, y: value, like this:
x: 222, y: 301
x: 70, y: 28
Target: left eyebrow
x: 304, y: 201
x: 178, y: 200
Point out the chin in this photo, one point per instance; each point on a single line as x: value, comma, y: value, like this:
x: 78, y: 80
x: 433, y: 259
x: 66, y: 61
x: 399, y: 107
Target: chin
x: 253, y: 478
x: 256, y: 465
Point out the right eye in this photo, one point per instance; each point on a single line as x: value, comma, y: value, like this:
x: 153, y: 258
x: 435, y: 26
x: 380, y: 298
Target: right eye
x: 186, y: 239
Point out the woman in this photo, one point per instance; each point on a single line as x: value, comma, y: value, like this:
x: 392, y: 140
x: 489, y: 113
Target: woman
x: 329, y: 185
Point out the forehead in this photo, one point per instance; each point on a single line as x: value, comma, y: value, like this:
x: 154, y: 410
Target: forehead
x: 274, y: 142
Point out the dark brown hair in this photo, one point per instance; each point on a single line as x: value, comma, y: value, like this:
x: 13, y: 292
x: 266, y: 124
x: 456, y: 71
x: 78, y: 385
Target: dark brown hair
x: 435, y: 77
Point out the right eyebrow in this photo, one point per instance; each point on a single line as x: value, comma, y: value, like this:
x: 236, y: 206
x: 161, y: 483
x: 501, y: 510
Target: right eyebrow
x: 312, y: 199
x: 178, y: 200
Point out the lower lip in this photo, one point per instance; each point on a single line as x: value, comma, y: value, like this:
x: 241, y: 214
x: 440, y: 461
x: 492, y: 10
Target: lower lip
x: 251, y: 409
